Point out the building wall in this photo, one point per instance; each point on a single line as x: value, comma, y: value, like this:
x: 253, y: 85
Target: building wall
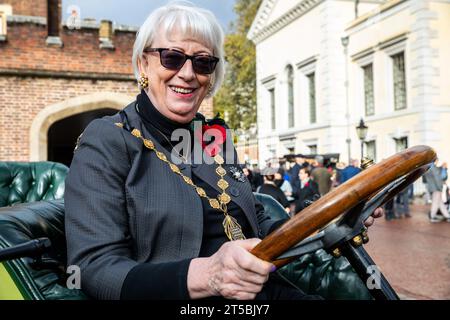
x: 22, y: 98
x: 419, y: 28
x: 37, y: 8
x: 386, y: 123
x: 424, y: 29
x: 35, y: 76
x: 272, y: 62
x: 247, y: 152
x: 280, y: 8
x: 310, y: 43
x: 442, y: 35
x: 25, y: 48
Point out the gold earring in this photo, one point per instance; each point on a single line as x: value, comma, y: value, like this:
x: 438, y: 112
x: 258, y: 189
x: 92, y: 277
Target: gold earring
x: 210, y: 88
x: 143, y: 81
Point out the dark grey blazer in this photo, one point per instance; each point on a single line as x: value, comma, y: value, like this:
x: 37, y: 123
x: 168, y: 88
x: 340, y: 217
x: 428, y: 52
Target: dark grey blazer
x: 124, y: 206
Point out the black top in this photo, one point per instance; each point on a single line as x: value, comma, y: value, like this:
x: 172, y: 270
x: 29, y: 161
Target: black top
x: 138, y: 284
x: 305, y: 194
x: 275, y: 192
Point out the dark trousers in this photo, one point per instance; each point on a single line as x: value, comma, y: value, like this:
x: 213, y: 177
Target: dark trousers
x: 389, y: 210
x: 403, y: 203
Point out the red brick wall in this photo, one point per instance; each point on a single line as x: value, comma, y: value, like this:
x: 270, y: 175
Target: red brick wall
x: 26, y: 49
x: 37, y: 8
x: 23, y: 97
x: 249, y: 149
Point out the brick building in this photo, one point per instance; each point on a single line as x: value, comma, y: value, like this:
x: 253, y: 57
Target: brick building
x: 55, y: 79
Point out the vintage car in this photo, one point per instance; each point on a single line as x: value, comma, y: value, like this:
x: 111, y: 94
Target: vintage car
x: 320, y: 250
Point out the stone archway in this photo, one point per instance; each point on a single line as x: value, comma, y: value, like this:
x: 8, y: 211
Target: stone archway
x: 53, y: 113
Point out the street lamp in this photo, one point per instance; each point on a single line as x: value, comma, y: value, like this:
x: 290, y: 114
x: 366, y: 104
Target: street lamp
x: 361, y: 130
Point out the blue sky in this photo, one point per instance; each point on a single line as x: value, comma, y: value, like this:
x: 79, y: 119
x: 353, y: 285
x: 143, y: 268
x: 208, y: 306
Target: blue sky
x: 134, y: 12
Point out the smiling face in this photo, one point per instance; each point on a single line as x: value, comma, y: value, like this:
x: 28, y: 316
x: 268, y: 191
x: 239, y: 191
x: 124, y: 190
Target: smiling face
x: 177, y: 94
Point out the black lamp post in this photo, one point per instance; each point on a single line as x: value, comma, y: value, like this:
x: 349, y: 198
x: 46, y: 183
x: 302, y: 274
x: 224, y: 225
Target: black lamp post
x: 361, y: 130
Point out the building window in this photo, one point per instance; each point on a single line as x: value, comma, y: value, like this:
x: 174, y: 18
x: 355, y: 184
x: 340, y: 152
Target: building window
x: 272, y: 108
x: 312, y: 148
x: 398, y: 64
x: 371, y: 150
x: 290, y: 82
x: 2, y: 24
x: 312, y: 97
x: 401, y: 144
x: 272, y: 153
x: 368, y: 90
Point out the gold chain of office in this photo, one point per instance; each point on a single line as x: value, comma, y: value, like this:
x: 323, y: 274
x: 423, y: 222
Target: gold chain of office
x: 231, y: 227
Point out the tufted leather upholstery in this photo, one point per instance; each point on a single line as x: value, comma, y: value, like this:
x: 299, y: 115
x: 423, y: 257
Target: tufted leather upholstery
x: 24, y: 222
x: 31, y: 181
x: 319, y: 272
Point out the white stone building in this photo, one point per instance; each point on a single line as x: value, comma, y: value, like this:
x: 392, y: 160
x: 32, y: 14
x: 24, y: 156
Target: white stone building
x: 395, y: 60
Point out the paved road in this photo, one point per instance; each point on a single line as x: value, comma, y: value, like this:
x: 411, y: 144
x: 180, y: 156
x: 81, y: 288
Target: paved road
x: 413, y: 254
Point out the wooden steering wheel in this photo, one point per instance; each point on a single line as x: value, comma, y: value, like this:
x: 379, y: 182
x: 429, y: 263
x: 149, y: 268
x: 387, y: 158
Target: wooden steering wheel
x: 406, y: 166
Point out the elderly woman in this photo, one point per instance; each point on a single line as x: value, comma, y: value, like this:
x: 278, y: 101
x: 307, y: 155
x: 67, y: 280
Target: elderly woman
x: 144, y: 221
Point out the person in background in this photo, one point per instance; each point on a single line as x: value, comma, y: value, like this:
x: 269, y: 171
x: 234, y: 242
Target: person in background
x: 435, y: 185
x: 249, y: 174
x: 445, y: 189
x: 308, y: 192
x: 351, y: 170
x: 321, y: 176
x: 389, y: 210
x: 270, y: 188
x: 338, y: 173
x: 402, y: 204
x: 286, y: 169
x: 299, y: 163
x: 283, y: 184
x: 444, y: 171
x: 258, y: 179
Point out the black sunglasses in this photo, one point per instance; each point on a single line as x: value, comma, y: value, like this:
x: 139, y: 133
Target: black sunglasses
x: 174, y: 60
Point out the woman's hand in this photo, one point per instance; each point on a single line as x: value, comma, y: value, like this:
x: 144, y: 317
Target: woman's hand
x: 379, y: 212
x: 232, y: 272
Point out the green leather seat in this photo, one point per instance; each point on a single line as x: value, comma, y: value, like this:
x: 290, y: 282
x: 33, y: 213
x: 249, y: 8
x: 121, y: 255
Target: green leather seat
x: 31, y: 181
x: 23, y: 182
x: 319, y: 272
x: 29, y: 280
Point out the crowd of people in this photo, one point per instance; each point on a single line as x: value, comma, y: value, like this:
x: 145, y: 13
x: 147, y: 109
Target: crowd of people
x: 296, y: 184
x: 435, y: 180
x: 299, y: 181
x: 436, y: 194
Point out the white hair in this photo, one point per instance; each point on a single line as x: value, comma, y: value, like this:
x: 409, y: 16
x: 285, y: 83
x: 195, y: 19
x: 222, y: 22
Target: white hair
x: 193, y: 21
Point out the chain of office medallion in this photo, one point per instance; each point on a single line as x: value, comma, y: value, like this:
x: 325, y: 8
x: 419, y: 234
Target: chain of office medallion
x: 231, y: 227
